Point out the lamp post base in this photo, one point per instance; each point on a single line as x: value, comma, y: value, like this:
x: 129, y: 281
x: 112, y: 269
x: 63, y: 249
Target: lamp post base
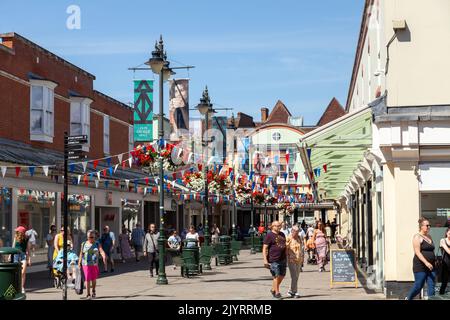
x: 252, y: 249
x: 206, y: 266
x: 162, y: 279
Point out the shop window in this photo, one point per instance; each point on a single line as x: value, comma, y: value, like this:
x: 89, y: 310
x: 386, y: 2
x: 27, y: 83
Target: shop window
x: 130, y: 138
x: 5, y: 217
x: 42, y: 110
x: 79, y: 217
x: 436, y: 208
x: 106, y: 134
x: 37, y: 210
x: 80, y: 118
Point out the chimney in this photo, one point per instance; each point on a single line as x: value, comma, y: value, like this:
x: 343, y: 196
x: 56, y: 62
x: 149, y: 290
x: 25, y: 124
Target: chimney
x: 264, y: 114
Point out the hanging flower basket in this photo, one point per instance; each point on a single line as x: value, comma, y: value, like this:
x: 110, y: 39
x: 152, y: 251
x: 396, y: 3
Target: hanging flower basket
x: 285, y: 208
x: 147, y: 158
x: 243, y: 193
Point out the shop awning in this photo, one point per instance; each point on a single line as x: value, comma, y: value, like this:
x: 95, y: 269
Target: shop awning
x: 332, y: 152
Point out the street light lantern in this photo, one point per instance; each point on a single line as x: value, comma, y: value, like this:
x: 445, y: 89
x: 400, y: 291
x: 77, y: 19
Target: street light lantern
x: 156, y: 62
x: 205, y: 105
x: 167, y: 72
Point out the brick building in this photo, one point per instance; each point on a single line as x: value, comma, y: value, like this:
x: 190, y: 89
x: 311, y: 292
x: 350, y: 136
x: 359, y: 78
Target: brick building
x: 42, y: 96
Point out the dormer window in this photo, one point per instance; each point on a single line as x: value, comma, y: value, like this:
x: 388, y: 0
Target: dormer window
x: 42, y: 101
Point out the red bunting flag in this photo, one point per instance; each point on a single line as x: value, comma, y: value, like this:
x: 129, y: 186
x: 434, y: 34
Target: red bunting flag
x: 86, y: 181
x: 230, y: 170
x: 147, y: 181
x: 174, y: 176
x: 124, y: 163
x: 17, y: 171
x: 104, y: 172
x: 296, y: 176
x: 287, y: 156
x: 325, y: 168
x: 199, y: 166
x: 95, y: 164
x: 116, y: 182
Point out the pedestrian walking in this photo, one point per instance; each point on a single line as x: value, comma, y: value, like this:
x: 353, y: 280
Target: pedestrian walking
x: 21, y: 242
x: 328, y: 231
x: 274, y: 255
x: 88, y: 261
x: 423, y: 261
x: 215, y: 233
x: 124, y: 243
x: 59, y: 241
x: 174, y: 243
x: 192, y: 235
x: 50, y: 239
x: 31, y: 234
x: 137, y: 240
x: 295, y: 257
x: 321, y: 245
x: 108, y: 243
x: 151, y: 249
x: 445, y: 249
x: 285, y: 229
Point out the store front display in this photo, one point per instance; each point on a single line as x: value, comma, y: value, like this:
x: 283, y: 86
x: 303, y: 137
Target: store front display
x: 79, y: 217
x: 37, y: 210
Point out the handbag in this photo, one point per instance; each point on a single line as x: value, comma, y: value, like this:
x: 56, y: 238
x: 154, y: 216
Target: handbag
x: 156, y: 248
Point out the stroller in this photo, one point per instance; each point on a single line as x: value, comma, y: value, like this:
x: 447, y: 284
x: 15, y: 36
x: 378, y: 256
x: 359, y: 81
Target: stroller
x: 72, y: 268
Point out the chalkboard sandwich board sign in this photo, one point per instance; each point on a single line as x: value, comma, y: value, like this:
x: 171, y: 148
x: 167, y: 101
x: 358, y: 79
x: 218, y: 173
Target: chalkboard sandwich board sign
x: 343, y: 267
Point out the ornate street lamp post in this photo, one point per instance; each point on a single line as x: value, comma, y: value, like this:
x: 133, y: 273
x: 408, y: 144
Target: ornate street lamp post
x: 205, y: 108
x: 159, y: 65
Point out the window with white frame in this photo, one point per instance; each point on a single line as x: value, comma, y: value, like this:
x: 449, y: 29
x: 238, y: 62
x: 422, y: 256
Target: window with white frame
x: 80, y: 118
x: 130, y: 138
x: 42, y: 101
x: 106, y: 134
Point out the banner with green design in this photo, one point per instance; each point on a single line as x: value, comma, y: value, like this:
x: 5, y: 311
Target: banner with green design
x: 143, y: 110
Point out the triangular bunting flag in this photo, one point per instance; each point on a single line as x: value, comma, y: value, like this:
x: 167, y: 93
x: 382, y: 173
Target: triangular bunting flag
x: 130, y: 162
x: 104, y: 172
x: 3, y: 171
x: 110, y: 171
x: 31, y: 169
x: 124, y: 164
x: 96, y: 183
x: 116, y: 183
x: 98, y: 175
x: 115, y: 168
x: 45, y: 169
x: 84, y: 164
x: 325, y: 167
x: 119, y: 157
x: 296, y: 176
x: 127, y: 183
x: 95, y: 163
x: 17, y: 171
x: 308, y: 151
x: 79, y: 178
x: 147, y: 180
x: 108, y: 161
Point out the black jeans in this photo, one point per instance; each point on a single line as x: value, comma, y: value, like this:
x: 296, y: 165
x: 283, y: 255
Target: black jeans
x: 445, y: 271
x: 153, y: 260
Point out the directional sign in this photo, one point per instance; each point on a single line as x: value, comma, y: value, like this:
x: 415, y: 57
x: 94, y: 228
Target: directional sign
x: 75, y: 147
x: 76, y: 142
x: 75, y: 152
x: 77, y: 157
x: 80, y: 137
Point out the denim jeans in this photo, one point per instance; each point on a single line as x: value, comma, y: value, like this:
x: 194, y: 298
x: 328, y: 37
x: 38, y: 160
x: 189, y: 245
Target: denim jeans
x: 419, y: 282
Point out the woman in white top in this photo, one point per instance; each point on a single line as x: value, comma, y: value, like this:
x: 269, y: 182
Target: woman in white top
x: 215, y: 234
x: 192, y: 235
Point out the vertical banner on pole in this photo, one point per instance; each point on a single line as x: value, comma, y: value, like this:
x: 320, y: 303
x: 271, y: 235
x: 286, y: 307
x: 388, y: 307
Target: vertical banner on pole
x: 178, y: 107
x: 143, y: 110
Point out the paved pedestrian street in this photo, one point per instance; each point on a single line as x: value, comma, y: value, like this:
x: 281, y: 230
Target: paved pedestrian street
x: 245, y: 279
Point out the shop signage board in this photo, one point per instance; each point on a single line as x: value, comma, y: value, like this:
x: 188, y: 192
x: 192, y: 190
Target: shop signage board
x: 343, y: 267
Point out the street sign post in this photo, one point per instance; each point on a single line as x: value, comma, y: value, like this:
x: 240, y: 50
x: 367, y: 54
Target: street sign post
x: 73, y: 150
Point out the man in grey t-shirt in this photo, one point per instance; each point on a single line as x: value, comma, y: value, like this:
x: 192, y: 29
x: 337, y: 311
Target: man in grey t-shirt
x: 151, y: 248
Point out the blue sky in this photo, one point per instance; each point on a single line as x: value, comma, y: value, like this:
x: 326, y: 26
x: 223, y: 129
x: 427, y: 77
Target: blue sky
x: 249, y: 53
